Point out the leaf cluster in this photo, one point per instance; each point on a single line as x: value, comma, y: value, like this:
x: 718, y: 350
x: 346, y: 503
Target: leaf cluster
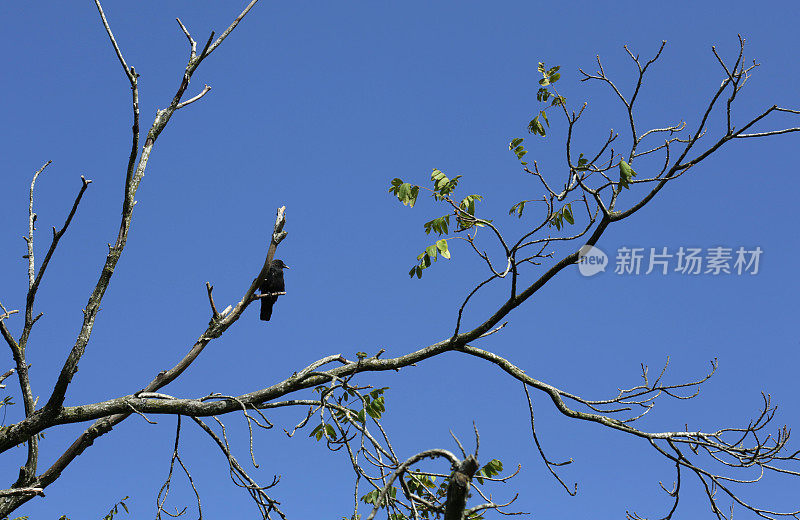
x: 373, y: 405
x: 516, y: 146
x: 545, y: 93
x: 442, y: 190
x: 430, y: 255
x: 405, y: 192
x: 424, y: 484
x: 442, y: 186
x: 558, y: 218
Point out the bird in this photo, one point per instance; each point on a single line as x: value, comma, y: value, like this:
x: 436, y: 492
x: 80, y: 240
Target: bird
x: 272, y: 283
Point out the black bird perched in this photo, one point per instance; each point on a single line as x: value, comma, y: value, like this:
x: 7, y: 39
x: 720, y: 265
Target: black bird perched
x: 273, y: 283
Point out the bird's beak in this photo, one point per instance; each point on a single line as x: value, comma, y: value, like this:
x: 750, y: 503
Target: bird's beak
x: 285, y: 266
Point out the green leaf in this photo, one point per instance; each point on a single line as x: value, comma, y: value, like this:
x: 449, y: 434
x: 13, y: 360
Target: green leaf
x: 556, y: 220
x: 543, y: 94
x: 520, y: 152
x: 568, y: 214
x: 518, y: 208
x: 395, y: 185
x: 375, y: 408
x: 468, y: 205
x: 413, y: 198
x: 431, y: 252
x: 439, y: 225
x: 582, y: 163
x: 439, y: 179
x: 516, y: 146
x: 441, y: 245
x: 491, y: 469
x: 405, y: 192
x: 536, y: 127
x: 540, y: 128
x: 317, y: 432
x: 533, y: 125
x: 371, y: 497
x: 330, y: 432
x: 449, y: 187
x: 626, y: 174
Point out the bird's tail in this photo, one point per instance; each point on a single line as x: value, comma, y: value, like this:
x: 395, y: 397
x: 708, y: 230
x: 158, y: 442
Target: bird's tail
x: 266, y: 308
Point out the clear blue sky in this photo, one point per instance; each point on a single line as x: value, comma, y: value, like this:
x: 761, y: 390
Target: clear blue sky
x: 317, y: 106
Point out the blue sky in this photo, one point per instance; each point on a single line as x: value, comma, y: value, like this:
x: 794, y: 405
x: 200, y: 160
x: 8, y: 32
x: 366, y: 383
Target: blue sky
x: 317, y: 106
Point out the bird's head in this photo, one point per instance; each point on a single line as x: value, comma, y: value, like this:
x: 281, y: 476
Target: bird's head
x: 278, y: 264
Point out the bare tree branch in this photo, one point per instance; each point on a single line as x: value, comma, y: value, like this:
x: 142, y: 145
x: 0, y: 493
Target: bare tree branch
x: 135, y: 173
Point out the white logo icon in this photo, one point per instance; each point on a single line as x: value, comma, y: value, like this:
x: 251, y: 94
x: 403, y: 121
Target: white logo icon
x: 591, y: 260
